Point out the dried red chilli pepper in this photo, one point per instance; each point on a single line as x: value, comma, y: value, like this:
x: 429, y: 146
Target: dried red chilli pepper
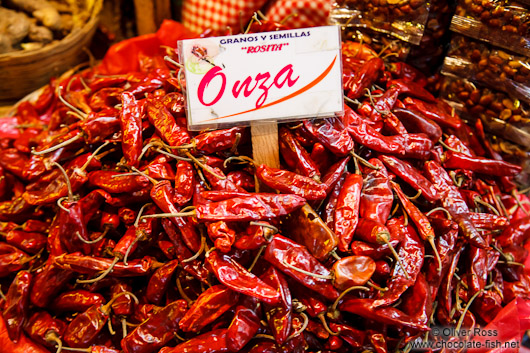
x: 14, y: 161
x: 329, y: 210
x: 376, y: 195
x: 57, y: 188
x: 307, y: 228
x: 48, y: 283
x: 69, y: 227
x: 322, y: 157
x: 446, y: 247
x: 408, y: 173
x: 105, y: 98
x: 506, y: 182
x: 289, y: 182
x: 478, y: 269
x: 99, y: 126
x: 242, y: 179
x: 421, y: 221
x: 282, y: 252
x: 35, y: 225
x: 84, y: 328
x: 17, y: 210
x: 352, y: 271
x: 155, y: 332
x: 24, y: 345
x: 44, y: 329
x: 382, y: 270
x: 351, y: 335
x: 453, y: 202
x: 416, y: 146
x: 242, y: 329
x: 393, y: 126
x: 480, y: 165
x: 334, y: 173
x: 249, y: 208
x: 123, y: 304
x: 160, y: 281
x: 418, y: 303
x: 184, y: 183
x: 279, y: 316
x: 193, y: 267
x: 98, y: 83
x: 165, y: 125
x: 383, y: 105
x: 91, y: 265
x: 488, y: 305
x: 406, y: 72
x: 516, y: 233
x: 209, y: 342
x: 131, y: 127
x: 435, y: 112
x: 16, y: 307
x: 488, y: 221
x: 221, y: 234
x: 159, y: 168
x: 295, y: 156
x: 114, y: 182
x: 236, y: 277
x: 387, y: 315
x: 138, y: 231
x: 412, y: 89
x: 27, y: 139
x: 211, y: 304
x: 347, y: 210
x: 29, y: 242
x: 365, y: 76
x: 91, y: 203
x: 219, y: 182
x: 218, y: 140
x: 445, y: 297
x: 162, y: 194
x: 414, y: 121
x: 411, y: 255
x: 148, y: 83
x: 11, y: 259
x: 126, y: 216
x: 374, y: 251
x: 76, y: 300
x: 330, y: 133
x: 252, y: 238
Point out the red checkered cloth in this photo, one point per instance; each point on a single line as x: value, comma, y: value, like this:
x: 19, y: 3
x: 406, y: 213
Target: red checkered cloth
x: 303, y: 13
x: 199, y: 15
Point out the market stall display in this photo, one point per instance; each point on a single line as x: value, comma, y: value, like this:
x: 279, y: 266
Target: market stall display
x: 124, y: 231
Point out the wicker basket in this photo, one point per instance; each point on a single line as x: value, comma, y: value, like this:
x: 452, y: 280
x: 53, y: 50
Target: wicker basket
x: 22, y: 72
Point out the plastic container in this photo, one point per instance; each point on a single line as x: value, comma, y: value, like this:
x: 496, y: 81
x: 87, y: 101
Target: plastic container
x: 501, y: 114
x: 500, y: 22
x: 488, y: 65
x: 428, y: 55
x: 403, y: 19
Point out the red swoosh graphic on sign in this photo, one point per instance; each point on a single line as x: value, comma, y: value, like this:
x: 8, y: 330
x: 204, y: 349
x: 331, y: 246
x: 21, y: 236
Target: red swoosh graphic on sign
x: 292, y: 95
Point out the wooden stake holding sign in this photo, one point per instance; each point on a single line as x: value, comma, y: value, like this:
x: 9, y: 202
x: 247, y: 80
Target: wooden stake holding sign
x: 265, y: 147
x: 260, y: 79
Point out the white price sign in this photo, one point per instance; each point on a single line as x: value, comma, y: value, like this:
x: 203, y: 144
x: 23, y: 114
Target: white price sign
x: 271, y: 76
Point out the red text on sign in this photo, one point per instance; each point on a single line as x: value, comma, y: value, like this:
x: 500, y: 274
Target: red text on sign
x: 262, y: 81
x: 264, y: 48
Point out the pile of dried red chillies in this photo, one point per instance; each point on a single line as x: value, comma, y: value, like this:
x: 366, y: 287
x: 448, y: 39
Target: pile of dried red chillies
x: 123, y: 231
